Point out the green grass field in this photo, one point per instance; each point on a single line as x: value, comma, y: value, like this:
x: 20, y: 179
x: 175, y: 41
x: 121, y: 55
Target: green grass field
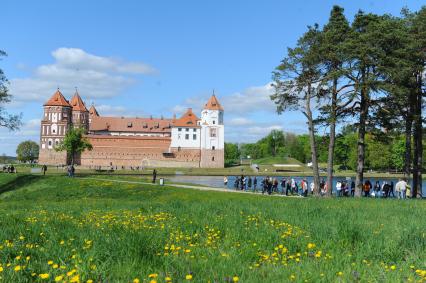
x: 55, y: 228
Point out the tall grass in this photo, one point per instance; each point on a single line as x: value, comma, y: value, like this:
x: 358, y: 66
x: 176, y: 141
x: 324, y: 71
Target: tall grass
x: 77, y: 230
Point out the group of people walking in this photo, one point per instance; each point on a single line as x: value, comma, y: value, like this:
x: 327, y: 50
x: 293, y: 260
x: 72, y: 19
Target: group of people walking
x: 9, y: 169
x: 301, y: 187
x: 271, y: 185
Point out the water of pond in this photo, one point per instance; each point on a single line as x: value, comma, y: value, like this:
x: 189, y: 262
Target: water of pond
x: 217, y: 181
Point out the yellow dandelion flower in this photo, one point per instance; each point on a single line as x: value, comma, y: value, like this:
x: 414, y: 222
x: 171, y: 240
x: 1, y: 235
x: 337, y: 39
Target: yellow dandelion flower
x: 235, y: 279
x: 69, y: 273
x: 18, y: 257
x: 50, y: 262
x: 168, y: 279
x: 89, y: 281
x: 153, y: 275
x: 55, y: 266
x: 1, y: 269
x: 339, y: 273
x: 75, y: 279
x: 188, y: 277
x: 153, y: 281
x: 311, y: 245
x: 136, y: 280
x: 28, y: 258
x: 17, y: 268
x: 58, y: 278
x: 393, y: 267
x: 44, y: 276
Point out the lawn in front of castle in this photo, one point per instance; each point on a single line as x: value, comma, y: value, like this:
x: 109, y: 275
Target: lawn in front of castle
x: 55, y: 228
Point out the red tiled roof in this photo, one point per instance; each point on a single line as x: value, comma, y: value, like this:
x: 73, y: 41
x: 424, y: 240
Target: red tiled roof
x: 213, y: 104
x: 189, y: 119
x: 77, y: 103
x: 57, y: 99
x: 93, y: 111
x: 121, y: 124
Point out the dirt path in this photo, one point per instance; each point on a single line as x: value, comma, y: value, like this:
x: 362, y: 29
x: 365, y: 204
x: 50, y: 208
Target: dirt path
x: 192, y: 187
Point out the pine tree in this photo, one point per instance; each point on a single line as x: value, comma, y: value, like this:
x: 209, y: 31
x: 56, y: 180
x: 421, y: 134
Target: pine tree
x: 297, y: 81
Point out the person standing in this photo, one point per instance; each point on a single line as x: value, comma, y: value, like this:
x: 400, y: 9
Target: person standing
x: 225, y: 181
x: 401, y: 188
x: 275, y: 185
x: 352, y: 188
x: 377, y: 189
x: 312, y: 188
x: 391, y: 186
x: 249, y: 183
x: 254, y: 184
x: 339, y: 188
x: 270, y: 186
x: 293, y: 186
x: 305, y: 188
x: 154, y: 176
x: 44, y: 169
x: 72, y: 170
x: 282, y: 185
x: 367, y: 188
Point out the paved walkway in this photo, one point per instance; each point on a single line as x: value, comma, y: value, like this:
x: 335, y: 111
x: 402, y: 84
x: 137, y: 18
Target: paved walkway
x: 192, y: 187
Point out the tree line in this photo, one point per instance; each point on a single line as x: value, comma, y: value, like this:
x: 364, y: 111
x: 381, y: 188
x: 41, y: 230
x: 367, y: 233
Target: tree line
x: 383, y: 153
x: 369, y: 71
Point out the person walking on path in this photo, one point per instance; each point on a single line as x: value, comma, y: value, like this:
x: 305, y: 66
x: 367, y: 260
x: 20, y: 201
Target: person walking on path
x: 154, y: 176
x: 367, y: 188
x: 225, y: 181
x: 283, y: 181
x: 254, y: 184
x: 377, y: 189
x: 391, y: 185
x: 352, y: 188
x: 401, y: 188
x: 249, y: 183
x: 44, y: 169
x: 339, y: 188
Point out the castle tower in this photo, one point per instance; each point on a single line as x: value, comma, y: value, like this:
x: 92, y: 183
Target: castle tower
x: 80, y: 114
x: 212, y: 135
x: 92, y: 113
x: 55, y: 123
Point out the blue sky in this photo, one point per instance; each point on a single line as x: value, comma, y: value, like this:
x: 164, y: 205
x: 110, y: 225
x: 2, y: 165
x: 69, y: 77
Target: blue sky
x: 141, y: 58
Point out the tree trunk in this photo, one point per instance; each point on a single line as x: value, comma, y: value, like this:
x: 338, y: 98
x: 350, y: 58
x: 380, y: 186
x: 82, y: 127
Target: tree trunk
x: 313, y: 143
x: 418, y: 144
x: 408, y: 129
x: 361, y: 138
x: 330, y: 160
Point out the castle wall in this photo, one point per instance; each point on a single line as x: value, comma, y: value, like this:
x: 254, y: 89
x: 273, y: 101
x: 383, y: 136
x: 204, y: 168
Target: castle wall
x: 51, y: 157
x: 137, y: 151
x: 212, y: 158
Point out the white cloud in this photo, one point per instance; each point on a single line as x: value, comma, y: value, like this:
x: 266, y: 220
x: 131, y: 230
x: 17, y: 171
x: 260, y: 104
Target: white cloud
x: 252, y: 99
x: 256, y: 98
x: 239, y: 121
x: 95, y: 76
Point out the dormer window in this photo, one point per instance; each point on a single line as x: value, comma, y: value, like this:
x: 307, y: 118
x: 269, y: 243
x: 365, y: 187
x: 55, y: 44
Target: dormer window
x: 145, y: 125
x: 129, y: 124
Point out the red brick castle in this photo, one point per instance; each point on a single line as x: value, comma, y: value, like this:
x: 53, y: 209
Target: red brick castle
x: 131, y: 142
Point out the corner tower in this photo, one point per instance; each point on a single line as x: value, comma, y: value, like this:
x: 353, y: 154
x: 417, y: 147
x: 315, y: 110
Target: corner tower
x: 55, y: 123
x: 80, y: 114
x: 212, y: 135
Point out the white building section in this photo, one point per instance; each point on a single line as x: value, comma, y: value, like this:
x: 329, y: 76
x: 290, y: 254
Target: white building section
x: 212, y: 128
